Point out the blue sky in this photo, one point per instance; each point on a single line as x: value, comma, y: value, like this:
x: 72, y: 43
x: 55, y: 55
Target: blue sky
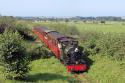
x: 62, y: 7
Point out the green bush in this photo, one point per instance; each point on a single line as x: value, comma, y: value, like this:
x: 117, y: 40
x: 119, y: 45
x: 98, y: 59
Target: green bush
x: 6, y: 22
x: 38, y: 51
x: 63, y: 28
x: 111, y: 43
x: 108, y: 44
x: 25, y: 31
x: 13, y: 55
x: 120, y: 54
x: 72, y: 30
x: 88, y: 40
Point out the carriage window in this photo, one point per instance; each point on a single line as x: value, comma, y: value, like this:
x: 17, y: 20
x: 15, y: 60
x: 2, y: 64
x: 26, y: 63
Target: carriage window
x: 42, y: 33
x: 54, y: 42
x: 59, y: 45
x: 45, y: 37
x: 48, y: 38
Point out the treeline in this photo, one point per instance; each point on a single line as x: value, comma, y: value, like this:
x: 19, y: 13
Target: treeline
x: 75, y: 19
x: 67, y: 19
x: 100, y: 18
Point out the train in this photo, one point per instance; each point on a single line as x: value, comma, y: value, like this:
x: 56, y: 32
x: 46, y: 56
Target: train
x: 64, y: 48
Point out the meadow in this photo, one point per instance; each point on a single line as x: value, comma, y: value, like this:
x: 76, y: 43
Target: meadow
x: 114, y: 27
x: 108, y: 64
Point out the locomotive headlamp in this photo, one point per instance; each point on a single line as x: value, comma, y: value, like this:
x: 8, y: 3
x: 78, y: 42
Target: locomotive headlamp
x: 76, y: 50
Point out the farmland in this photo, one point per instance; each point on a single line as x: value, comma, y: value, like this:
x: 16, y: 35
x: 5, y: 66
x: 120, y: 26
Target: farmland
x: 108, y: 64
x: 117, y: 27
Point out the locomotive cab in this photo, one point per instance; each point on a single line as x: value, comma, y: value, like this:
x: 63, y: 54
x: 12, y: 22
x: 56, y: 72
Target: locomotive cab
x: 71, y: 56
x: 69, y: 49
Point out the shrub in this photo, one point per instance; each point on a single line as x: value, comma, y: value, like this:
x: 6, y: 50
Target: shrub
x: 38, y: 51
x: 72, y: 30
x: 120, y: 54
x: 13, y: 55
x: 103, y: 22
x: 88, y: 40
x: 108, y: 44
x: 111, y: 43
x: 63, y: 28
x: 24, y: 30
x: 6, y: 22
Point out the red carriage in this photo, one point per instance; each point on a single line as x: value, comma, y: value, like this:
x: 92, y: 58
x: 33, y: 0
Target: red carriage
x: 65, y: 48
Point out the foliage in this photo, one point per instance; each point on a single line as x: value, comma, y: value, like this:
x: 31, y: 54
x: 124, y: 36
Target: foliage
x: 96, y: 40
x: 103, y: 70
x: 37, y: 51
x: 25, y: 31
x: 112, y: 45
x: 88, y: 41
x: 108, y: 44
x: 69, y: 19
x: 6, y: 22
x: 13, y: 55
x: 22, y: 28
x: 103, y: 22
x: 10, y: 22
x: 62, y: 28
x: 72, y: 30
x: 66, y: 29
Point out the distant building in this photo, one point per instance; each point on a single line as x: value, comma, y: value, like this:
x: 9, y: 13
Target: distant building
x: 122, y: 17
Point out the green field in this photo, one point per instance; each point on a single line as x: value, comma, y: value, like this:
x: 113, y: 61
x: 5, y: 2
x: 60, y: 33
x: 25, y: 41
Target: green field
x: 51, y: 70
x: 114, y: 27
x: 103, y: 69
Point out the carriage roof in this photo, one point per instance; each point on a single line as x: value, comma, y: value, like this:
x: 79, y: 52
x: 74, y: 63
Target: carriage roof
x: 54, y: 34
x: 43, y: 29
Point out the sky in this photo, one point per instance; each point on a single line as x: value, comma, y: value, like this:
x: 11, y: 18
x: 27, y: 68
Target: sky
x: 62, y: 7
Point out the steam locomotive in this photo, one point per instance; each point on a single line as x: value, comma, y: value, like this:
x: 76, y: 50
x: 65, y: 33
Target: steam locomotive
x: 64, y: 48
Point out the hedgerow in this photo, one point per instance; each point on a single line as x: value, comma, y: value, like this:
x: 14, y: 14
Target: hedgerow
x: 108, y: 44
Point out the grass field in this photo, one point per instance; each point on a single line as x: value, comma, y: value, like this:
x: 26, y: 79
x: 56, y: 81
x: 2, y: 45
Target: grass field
x: 117, y: 27
x: 114, y: 28
x: 102, y: 70
x: 51, y: 70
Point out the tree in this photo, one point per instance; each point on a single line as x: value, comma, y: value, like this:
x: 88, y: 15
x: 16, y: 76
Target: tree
x: 6, y: 22
x: 13, y: 55
x: 66, y: 20
x: 102, y: 22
